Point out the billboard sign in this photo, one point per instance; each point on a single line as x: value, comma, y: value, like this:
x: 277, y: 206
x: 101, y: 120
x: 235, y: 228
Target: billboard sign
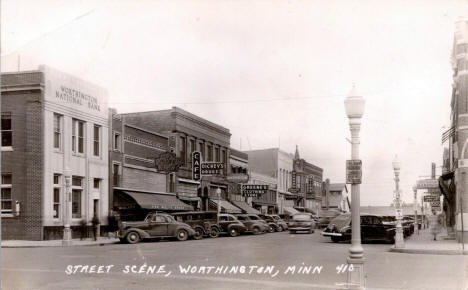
x: 353, y: 171
x: 427, y: 184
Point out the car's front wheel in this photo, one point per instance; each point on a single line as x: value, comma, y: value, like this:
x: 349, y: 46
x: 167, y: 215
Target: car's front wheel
x: 182, y: 235
x: 256, y: 230
x: 214, y: 232
x: 133, y: 237
x: 279, y: 228
x: 271, y: 229
x: 198, y: 234
x: 233, y: 232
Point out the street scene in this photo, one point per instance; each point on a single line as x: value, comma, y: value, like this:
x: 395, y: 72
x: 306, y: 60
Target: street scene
x: 234, y: 145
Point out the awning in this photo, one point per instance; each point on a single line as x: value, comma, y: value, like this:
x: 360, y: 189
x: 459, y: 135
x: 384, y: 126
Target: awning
x: 290, y: 210
x: 245, y: 207
x: 189, y: 198
x: 157, y: 201
x: 225, y: 206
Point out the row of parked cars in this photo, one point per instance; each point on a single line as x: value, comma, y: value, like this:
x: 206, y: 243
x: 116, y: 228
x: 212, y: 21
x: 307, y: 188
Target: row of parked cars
x: 199, y: 224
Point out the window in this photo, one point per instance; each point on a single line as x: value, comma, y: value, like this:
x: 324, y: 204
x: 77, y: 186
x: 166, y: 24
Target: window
x: 183, y: 149
x: 209, y: 153
x: 96, y: 183
x: 192, y: 146
x: 217, y: 154
x: 96, y: 137
x: 78, y: 136
x: 116, y: 141
x: 57, y: 131
x: 201, y: 148
x: 77, y: 190
x: 7, y: 203
x: 56, y: 201
x: 7, y: 138
x: 116, y: 174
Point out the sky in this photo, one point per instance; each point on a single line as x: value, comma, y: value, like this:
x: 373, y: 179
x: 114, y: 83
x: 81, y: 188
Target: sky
x: 275, y: 73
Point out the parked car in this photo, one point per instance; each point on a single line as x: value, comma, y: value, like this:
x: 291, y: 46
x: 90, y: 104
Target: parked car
x: 280, y: 221
x: 231, y: 225
x: 373, y: 228
x: 325, y: 216
x: 253, y: 223
x: 205, y: 223
x: 301, y: 222
x: 155, y: 225
x: 272, y: 223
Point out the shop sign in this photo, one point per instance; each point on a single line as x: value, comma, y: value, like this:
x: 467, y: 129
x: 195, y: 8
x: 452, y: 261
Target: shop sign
x: 293, y: 178
x: 238, y: 177
x: 427, y: 184
x: 399, y: 213
x: 435, y: 203
x: 167, y: 162
x: 254, y: 190
x: 353, y: 171
x: 430, y: 198
x: 211, y: 168
x: 196, y: 167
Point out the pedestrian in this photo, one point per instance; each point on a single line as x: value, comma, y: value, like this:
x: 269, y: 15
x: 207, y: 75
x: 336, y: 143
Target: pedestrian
x: 95, y: 221
x: 434, y: 224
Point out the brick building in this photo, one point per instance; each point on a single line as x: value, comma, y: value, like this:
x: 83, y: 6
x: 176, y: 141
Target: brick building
x: 188, y: 133
x: 51, y: 121
x: 137, y: 186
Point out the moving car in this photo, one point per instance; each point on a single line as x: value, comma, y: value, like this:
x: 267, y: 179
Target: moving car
x: 155, y: 225
x: 373, y: 228
x: 325, y: 216
x: 205, y: 223
x: 301, y: 222
x: 274, y: 226
x: 280, y: 221
x: 253, y: 223
x: 231, y: 225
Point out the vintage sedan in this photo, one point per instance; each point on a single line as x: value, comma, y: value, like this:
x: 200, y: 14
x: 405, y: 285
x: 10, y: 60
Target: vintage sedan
x: 155, y: 225
x: 373, y: 228
x: 301, y: 222
x: 254, y: 224
x: 204, y: 223
x: 280, y: 221
x: 231, y: 225
x: 272, y: 223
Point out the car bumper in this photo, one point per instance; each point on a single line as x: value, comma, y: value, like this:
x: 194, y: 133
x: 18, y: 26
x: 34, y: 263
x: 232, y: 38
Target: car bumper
x: 300, y: 228
x: 328, y: 234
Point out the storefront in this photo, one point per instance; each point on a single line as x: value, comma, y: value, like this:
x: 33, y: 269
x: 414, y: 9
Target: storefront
x: 135, y: 205
x: 187, y: 191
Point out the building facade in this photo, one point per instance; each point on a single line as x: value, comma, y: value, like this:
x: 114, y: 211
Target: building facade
x: 188, y: 133
x: 277, y: 164
x: 453, y: 183
x: 52, y: 121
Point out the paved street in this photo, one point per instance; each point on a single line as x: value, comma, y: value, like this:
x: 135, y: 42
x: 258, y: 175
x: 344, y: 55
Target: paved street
x: 46, y: 268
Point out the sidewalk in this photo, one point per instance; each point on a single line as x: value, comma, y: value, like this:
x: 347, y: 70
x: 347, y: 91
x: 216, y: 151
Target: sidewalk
x: 424, y: 244
x: 58, y: 243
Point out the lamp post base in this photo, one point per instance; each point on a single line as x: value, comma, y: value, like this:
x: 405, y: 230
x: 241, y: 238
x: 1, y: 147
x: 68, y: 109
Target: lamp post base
x: 67, y: 241
x: 356, y: 278
x: 399, y: 240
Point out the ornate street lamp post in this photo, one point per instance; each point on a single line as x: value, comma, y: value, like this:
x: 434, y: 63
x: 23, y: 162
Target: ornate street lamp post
x: 67, y: 241
x: 399, y: 242
x: 218, y: 193
x: 354, y: 106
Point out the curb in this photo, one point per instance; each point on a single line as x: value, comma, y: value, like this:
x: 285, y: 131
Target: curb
x: 429, y: 252
x: 59, y: 246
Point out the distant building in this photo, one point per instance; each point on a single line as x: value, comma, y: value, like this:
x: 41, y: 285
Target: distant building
x: 337, y: 197
x: 50, y: 121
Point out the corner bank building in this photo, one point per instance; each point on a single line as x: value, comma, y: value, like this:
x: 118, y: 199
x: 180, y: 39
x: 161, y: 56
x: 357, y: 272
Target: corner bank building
x: 52, y: 121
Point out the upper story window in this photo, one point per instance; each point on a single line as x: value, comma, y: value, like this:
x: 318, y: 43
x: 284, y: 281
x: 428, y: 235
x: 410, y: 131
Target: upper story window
x: 7, y: 132
x: 96, y: 183
x: 183, y: 149
x: 58, y: 131
x: 96, y: 140
x: 217, y: 156
x: 209, y: 153
x: 117, y: 141
x: 78, y: 136
x: 7, y: 203
x: 201, y: 148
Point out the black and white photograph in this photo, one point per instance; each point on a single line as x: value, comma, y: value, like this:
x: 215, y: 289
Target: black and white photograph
x: 222, y: 144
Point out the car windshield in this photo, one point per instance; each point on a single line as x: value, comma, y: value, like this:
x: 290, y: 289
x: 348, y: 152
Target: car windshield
x: 276, y: 217
x: 254, y: 217
x: 341, y: 220
x: 301, y: 217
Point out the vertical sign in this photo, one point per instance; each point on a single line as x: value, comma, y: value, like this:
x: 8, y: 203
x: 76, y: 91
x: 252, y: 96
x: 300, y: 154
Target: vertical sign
x: 353, y: 171
x: 293, y: 179
x: 196, y: 160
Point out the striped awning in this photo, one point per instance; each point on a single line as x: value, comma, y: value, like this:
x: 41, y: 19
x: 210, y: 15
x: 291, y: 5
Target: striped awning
x: 245, y: 207
x: 225, y: 205
x: 157, y: 201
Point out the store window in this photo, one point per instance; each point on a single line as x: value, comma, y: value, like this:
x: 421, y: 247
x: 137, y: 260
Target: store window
x: 7, y: 132
x: 96, y: 140
x: 56, y: 200
x: 7, y: 203
x: 77, y: 192
x: 58, y: 131
x: 78, y: 136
